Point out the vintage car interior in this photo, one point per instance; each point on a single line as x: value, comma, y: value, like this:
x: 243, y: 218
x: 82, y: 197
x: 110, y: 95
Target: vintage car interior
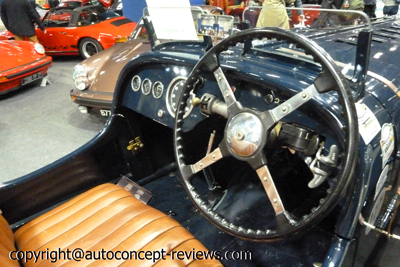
x: 271, y: 147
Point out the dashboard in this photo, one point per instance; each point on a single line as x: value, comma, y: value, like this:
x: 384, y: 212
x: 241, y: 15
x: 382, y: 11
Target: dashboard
x: 154, y: 91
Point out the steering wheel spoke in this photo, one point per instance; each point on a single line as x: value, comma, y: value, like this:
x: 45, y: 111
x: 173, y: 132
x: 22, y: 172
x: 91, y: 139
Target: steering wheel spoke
x: 270, y: 188
x: 292, y: 103
x: 208, y: 160
x: 225, y: 88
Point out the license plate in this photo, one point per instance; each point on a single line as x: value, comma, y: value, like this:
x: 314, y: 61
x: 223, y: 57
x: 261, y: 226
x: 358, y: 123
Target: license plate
x: 105, y: 112
x: 31, y: 78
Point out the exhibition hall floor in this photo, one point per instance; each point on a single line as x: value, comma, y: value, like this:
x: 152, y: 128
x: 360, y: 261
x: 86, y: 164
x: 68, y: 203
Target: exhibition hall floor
x: 39, y: 124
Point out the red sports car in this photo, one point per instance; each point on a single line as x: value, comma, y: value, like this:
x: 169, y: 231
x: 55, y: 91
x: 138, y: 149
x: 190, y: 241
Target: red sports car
x: 81, y: 31
x: 106, y: 3
x: 21, y: 63
x: 79, y: 3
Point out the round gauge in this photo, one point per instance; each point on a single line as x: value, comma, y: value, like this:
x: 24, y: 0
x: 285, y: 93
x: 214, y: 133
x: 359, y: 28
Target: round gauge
x: 173, y: 92
x: 135, y: 83
x: 158, y: 89
x: 146, y: 86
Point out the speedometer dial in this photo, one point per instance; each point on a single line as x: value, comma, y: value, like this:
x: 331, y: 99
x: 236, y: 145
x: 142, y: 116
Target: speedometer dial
x: 173, y: 92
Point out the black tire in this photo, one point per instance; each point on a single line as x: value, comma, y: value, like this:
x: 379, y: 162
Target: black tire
x: 88, y: 47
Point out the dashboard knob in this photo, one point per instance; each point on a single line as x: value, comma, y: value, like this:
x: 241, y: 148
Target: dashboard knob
x: 196, y: 101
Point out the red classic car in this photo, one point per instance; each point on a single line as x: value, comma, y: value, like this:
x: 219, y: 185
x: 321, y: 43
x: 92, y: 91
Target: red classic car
x: 85, y: 30
x: 21, y: 63
x: 79, y: 3
x: 106, y: 3
x: 81, y: 31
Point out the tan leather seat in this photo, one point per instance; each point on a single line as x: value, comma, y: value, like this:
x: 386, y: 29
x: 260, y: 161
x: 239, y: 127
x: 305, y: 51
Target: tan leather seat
x: 6, y: 244
x: 105, y: 218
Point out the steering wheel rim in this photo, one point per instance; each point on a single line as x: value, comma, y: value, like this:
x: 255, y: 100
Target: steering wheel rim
x: 332, y: 78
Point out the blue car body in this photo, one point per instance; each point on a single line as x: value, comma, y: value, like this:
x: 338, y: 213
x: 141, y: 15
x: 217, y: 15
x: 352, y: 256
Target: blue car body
x: 149, y: 115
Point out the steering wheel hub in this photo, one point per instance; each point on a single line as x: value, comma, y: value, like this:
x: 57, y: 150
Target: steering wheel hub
x: 244, y: 134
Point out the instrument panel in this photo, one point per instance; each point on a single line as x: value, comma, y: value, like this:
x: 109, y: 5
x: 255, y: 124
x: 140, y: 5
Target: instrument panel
x: 173, y: 92
x: 155, y: 90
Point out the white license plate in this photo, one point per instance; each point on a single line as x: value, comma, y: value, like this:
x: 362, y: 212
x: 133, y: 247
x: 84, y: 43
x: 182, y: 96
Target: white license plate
x: 105, y: 112
x: 31, y: 78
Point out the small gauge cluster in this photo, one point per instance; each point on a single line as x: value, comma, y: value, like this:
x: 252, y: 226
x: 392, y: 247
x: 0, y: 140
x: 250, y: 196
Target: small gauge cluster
x: 147, y: 86
x: 156, y: 88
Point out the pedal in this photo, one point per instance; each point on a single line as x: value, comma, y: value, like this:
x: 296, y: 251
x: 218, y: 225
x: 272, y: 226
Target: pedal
x: 215, y: 197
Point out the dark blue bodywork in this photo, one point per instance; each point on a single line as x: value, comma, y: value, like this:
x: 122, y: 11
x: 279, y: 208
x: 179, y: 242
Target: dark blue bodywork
x: 261, y: 76
x: 282, y: 72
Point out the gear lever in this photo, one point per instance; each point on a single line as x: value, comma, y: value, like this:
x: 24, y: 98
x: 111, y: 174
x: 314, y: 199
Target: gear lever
x: 332, y: 158
x: 215, y: 193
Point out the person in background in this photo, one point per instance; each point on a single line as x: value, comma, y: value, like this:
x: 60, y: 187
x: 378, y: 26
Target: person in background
x: 19, y: 17
x: 251, y: 3
x: 324, y: 18
x: 273, y: 14
x: 53, y: 3
x: 391, y: 7
x: 33, y: 4
x: 328, y: 4
x: 297, y: 4
x: 369, y: 8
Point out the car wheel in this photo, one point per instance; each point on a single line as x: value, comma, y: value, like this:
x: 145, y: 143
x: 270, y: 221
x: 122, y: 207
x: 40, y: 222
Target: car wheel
x: 88, y: 47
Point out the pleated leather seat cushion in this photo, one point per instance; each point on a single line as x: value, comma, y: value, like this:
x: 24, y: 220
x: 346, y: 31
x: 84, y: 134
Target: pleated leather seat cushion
x: 6, y: 244
x: 108, y: 218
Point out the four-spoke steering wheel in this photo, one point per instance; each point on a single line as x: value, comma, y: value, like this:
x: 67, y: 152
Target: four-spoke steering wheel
x: 248, y: 131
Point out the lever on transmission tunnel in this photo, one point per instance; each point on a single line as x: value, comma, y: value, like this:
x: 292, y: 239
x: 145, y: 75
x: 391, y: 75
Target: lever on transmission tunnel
x: 332, y: 158
x: 319, y: 177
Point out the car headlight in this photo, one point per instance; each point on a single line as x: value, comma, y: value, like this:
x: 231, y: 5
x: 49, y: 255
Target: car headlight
x: 80, y: 76
x: 79, y: 70
x: 38, y: 48
x: 81, y: 83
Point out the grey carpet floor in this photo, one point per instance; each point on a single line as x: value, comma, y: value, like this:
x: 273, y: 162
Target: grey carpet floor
x: 39, y: 125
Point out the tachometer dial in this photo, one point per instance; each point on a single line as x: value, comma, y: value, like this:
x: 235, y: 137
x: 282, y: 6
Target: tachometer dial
x: 146, y: 86
x: 135, y: 83
x: 173, y: 92
x: 158, y: 89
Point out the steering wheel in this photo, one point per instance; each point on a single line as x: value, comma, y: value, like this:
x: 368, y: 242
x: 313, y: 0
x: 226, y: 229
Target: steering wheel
x: 248, y: 131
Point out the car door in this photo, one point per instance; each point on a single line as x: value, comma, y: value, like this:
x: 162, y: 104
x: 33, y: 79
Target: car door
x: 55, y: 21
